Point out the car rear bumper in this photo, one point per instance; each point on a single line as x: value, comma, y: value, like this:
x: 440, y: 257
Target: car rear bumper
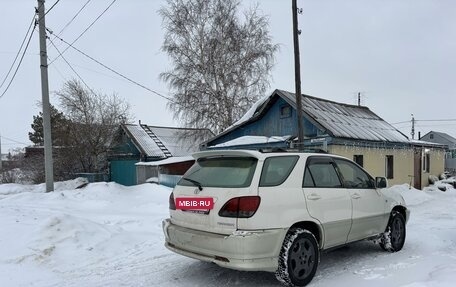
x: 244, y: 250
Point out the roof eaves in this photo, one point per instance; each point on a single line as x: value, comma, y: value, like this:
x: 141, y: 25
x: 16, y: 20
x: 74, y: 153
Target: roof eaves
x: 133, y: 139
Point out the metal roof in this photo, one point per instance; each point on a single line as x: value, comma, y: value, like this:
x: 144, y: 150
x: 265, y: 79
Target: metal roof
x: 178, y: 141
x: 346, y: 121
x: 444, y: 139
x: 336, y: 119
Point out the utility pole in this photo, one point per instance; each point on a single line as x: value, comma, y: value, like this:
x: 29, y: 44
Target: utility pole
x: 48, y: 163
x: 413, y: 127
x: 359, y: 99
x: 296, y: 32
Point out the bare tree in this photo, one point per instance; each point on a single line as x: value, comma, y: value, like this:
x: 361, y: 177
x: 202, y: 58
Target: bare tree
x: 221, y: 62
x: 94, y: 118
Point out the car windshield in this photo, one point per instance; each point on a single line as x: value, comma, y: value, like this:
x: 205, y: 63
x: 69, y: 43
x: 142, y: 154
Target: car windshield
x: 221, y: 172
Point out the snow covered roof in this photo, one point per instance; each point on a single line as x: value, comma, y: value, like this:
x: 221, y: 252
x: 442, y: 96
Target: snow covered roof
x: 427, y: 144
x: 441, y: 138
x: 347, y: 121
x: 246, y: 140
x: 144, y: 141
x: 163, y: 142
x: 170, y: 160
x: 337, y: 119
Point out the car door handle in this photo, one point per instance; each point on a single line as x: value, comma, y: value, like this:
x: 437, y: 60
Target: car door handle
x: 313, y: 196
x: 356, y: 196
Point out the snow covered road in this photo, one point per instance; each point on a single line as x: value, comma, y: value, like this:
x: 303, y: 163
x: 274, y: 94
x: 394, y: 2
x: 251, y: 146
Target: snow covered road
x: 109, y: 235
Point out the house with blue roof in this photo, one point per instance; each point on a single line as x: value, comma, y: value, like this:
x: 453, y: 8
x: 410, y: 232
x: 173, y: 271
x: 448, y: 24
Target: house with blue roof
x: 141, y: 143
x: 343, y: 129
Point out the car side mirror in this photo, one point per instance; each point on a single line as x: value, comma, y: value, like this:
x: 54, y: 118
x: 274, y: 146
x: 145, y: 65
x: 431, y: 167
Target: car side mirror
x: 381, y: 182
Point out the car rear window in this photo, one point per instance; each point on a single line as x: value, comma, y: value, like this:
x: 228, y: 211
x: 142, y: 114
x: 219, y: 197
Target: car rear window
x: 221, y: 172
x: 277, y: 169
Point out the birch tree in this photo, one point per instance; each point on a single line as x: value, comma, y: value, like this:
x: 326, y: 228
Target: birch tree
x: 221, y: 60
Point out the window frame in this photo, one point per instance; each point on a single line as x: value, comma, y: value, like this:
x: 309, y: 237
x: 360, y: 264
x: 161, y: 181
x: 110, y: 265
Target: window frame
x: 266, y: 165
x: 356, y: 158
x: 426, y: 162
x: 355, y: 166
x: 284, y: 115
x: 194, y: 168
x: 389, y: 171
x: 322, y: 160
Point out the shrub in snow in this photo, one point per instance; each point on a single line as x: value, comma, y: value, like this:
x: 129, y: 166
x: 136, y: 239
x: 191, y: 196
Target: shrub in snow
x: 442, y: 187
x: 433, y: 179
x: 442, y: 176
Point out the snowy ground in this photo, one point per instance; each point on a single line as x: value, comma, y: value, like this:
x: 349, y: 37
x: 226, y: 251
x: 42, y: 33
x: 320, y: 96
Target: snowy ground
x: 109, y: 235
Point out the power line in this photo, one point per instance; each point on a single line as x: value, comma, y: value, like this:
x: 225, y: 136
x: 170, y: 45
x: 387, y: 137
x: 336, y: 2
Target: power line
x: 52, y: 7
x: 400, y: 123
x: 69, y: 65
x: 20, y: 62
x: 437, y: 120
x: 440, y: 120
x: 19, y: 51
x: 72, y: 19
x: 60, y: 73
x: 13, y: 140
x: 114, y: 71
x: 83, y: 32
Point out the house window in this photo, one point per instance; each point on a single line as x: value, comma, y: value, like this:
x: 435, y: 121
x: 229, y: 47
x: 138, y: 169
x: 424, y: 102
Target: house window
x: 285, y: 111
x: 431, y: 136
x: 427, y: 162
x: 359, y: 159
x: 389, y: 165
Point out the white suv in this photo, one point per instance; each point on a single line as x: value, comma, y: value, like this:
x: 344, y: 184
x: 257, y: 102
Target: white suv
x: 259, y: 211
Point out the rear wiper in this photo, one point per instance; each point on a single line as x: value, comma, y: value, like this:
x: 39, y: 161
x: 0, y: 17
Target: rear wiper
x: 200, y: 187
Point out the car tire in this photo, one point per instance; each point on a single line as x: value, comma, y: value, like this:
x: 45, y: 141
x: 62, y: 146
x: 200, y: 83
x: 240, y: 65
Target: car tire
x: 298, y: 259
x: 393, y: 238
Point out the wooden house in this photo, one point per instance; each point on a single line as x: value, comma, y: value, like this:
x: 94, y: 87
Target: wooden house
x: 348, y: 130
x: 144, y: 143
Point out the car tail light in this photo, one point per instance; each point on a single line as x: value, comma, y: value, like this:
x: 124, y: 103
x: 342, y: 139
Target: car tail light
x: 172, y: 203
x: 240, y: 207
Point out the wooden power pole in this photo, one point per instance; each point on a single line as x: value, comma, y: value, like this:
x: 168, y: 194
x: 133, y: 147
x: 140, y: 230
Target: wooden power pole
x: 297, y: 65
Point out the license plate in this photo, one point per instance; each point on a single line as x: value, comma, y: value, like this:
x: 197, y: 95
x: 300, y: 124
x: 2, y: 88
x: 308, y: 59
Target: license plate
x: 195, y: 203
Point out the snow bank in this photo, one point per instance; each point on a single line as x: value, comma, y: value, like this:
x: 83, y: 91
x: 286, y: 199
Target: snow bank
x: 106, y: 234
x: 14, y: 188
x: 411, y: 195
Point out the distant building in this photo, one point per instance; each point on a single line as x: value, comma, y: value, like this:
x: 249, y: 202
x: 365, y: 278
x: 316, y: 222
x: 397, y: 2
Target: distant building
x: 450, y: 142
x: 144, y: 143
x: 348, y: 130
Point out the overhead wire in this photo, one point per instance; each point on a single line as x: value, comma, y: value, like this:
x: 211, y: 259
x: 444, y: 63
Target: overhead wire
x: 52, y: 7
x: 112, y: 70
x: 20, y: 62
x: 71, y: 67
x: 83, y: 32
x: 12, y: 140
x: 72, y: 19
x: 19, y: 51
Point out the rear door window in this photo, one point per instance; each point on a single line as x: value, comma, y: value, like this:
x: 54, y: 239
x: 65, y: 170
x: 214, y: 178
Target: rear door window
x: 221, y: 172
x: 320, y: 172
x: 277, y: 169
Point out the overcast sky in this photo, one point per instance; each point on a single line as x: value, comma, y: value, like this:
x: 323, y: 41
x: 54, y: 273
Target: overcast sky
x: 401, y: 55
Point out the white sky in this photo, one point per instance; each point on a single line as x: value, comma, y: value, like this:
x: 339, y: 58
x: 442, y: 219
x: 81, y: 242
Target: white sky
x: 401, y: 54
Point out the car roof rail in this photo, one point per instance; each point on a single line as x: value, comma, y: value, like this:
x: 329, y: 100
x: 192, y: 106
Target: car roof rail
x: 278, y: 149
